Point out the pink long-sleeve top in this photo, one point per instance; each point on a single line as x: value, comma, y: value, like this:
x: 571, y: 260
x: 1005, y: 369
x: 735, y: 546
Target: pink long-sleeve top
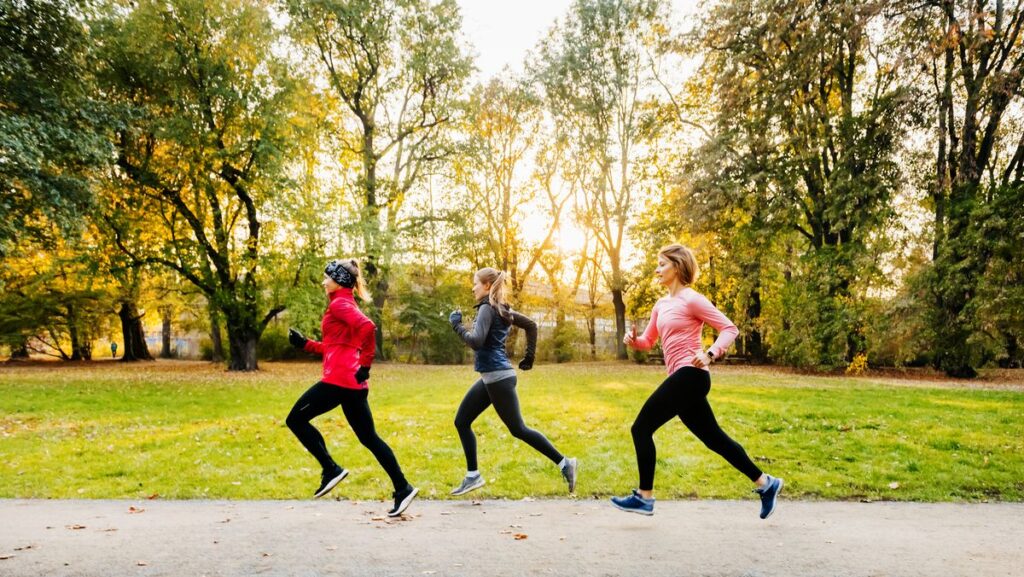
x: 679, y: 321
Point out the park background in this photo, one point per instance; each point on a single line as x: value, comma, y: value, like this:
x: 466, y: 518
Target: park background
x: 176, y: 174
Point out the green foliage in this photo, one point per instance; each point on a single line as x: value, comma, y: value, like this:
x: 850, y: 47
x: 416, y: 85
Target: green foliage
x: 51, y: 126
x: 561, y: 347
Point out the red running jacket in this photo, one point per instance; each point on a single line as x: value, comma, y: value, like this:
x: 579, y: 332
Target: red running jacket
x: 349, y: 341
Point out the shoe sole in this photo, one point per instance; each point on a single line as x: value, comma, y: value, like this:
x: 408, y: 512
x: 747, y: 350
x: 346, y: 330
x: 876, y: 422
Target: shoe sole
x: 331, y: 484
x: 472, y: 487
x: 637, y: 511
x: 404, y: 504
x: 774, y: 499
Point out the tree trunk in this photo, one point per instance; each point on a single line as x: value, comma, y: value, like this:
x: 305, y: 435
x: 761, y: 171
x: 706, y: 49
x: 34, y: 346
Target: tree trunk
x: 165, y: 334
x: 76, y: 345
x: 379, y: 299
x: 242, y: 341
x: 620, y: 324
x: 215, y: 335
x: 243, y: 352
x: 132, y: 333
x: 19, y: 351
x: 592, y: 330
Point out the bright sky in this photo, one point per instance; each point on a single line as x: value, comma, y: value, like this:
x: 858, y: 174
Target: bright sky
x: 502, y: 32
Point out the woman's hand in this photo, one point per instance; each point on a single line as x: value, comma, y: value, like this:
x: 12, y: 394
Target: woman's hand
x: 630, y: 339
x: 455, y: 318
x: 296, y: 339
x: 701, y: 359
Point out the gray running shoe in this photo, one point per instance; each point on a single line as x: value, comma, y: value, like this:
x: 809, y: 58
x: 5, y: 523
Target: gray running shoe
x: 569, y: 473
x: 469, y: 484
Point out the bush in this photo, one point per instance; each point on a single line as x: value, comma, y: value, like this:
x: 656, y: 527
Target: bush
x: 274, y: 345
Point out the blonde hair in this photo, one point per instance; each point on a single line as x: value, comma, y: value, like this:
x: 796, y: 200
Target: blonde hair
x: 683, y: 260
x: 496, y: 298
x: 360, y: 288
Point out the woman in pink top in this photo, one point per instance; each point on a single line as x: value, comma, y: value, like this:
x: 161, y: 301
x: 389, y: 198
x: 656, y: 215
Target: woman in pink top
x: 679, y: 319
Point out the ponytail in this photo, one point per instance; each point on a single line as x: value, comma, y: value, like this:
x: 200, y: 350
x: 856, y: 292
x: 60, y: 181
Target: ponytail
x: 360, y: 288
x: 496, y: 298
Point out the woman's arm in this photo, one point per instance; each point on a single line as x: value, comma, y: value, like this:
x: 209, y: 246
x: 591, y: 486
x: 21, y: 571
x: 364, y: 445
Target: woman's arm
x: 702, y: 308
x: 475, y: 338
x: 526, y: 323
x: 650, y: 336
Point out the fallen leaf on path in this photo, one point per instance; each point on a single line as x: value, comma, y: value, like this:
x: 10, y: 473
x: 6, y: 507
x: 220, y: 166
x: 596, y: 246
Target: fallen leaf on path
x: 75, y: 527
x: 377, y: 519
x: 268, y: 554
x: 134, y: 509
x: 142, y: 563
x: 228, y: 520
x: 520, y: 536
x: 477, y: 503
x: 6, y: 557
x: 504, y: 532
x: 25, y: 548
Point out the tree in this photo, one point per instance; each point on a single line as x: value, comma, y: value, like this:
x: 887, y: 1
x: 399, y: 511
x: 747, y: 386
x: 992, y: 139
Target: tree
x: 597, y: 82
x: 975, y: 54
x: 397, y: 68
x: 502, y: 125
x: 808, y: 111
x: 50, y: 136
x: 207, y: 126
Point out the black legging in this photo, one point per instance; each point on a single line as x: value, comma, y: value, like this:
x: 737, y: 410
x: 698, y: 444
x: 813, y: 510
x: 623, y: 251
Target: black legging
x: 502, y: 394
x: 323, y: 397
x: 684, y: 395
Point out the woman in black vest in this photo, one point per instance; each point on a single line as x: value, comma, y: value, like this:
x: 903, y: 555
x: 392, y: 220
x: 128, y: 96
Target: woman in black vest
x: 497, y: 383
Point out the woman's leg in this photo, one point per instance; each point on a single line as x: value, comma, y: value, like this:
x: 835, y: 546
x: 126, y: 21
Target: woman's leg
x: 357, y: 410
x: 697, y: 415
x: 506, y: 404
x: 316, y: 401
x: 475, y: 402
x: 660, y: 408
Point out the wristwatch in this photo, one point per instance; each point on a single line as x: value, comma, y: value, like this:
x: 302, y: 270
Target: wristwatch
x: 711, y: 355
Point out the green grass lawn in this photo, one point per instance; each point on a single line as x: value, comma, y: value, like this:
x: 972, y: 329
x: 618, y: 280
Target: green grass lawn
x: 185, y: 430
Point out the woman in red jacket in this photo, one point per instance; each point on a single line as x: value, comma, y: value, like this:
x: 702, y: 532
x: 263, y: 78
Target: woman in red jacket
x: 348, y: 348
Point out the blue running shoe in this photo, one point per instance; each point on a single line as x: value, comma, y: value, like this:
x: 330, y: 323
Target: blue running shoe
x: 769, y: 493
x: 634, y: 504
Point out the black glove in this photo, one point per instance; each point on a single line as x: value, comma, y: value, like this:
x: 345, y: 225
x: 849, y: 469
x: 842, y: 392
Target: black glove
x: 526, y: 364
x: 296, y: 339
x: 363, y: 374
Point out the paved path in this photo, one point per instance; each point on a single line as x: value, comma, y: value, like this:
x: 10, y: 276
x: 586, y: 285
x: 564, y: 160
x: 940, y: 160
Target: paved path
x: 499, y: 538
